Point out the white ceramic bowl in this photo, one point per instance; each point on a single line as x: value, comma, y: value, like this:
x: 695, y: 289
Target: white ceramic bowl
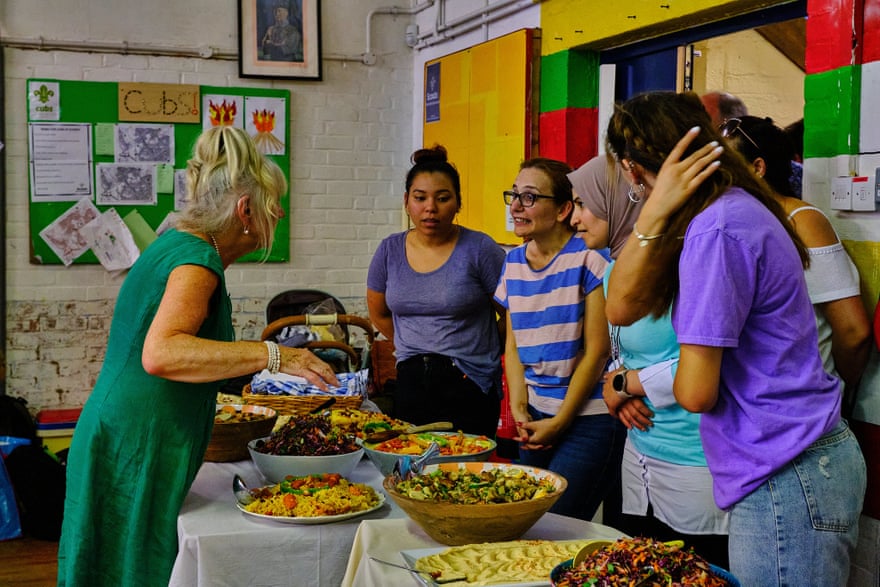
x: 274, y: 468
x: 384, y: 461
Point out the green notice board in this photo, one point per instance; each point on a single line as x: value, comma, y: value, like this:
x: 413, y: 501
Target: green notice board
x: 97, y: 106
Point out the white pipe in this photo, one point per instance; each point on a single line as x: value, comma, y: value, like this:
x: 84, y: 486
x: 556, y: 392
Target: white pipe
x: 124, y: 48
x: 480, y: 15
x: 369, y: 58
x: 472, y: 21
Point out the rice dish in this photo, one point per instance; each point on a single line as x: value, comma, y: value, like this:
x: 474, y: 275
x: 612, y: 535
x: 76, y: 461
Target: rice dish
x: 313, y: 496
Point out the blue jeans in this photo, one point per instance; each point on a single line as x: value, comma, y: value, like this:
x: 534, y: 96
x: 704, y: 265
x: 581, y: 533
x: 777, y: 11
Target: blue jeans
x: 801, y: 526
x: 588, y: 455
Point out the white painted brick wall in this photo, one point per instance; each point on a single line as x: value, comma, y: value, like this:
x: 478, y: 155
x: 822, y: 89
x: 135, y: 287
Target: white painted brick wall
x: 351, y: 137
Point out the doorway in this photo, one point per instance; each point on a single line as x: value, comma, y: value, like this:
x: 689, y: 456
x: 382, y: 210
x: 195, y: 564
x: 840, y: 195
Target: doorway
x: 758, y: 57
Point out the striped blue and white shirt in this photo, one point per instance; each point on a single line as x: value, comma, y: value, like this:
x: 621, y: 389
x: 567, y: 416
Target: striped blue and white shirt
x: 546, y: 308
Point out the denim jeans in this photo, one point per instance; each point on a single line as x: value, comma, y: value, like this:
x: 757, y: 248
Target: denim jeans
x: 588, y: 455
x: 800, y: 527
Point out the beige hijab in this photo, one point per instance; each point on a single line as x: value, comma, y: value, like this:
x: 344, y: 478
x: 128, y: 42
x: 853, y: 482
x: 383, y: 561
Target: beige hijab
x: 603, y: 190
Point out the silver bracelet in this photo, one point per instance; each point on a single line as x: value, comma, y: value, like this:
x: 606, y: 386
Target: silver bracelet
x: 644, y: 238
x: 274, y: 362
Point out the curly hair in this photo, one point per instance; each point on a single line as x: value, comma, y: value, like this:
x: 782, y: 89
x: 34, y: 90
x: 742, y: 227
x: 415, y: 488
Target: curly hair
x: 225, y: 166
x: 645, y: 129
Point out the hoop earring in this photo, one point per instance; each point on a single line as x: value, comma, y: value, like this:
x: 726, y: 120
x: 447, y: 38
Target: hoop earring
x: 636, y: 193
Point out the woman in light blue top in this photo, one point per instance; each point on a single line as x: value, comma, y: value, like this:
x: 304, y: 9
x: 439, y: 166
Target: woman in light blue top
x: 667, y: 488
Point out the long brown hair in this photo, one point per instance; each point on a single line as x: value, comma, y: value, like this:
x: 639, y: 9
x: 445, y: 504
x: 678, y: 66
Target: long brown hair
x: 645, y: 129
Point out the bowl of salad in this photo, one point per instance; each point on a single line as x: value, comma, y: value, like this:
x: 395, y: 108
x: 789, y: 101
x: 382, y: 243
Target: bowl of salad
x: 459, y: 503
x: 454, y: 446
x: 305, y: 445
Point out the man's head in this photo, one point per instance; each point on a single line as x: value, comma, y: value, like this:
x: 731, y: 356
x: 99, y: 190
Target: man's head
x: 721, y: 106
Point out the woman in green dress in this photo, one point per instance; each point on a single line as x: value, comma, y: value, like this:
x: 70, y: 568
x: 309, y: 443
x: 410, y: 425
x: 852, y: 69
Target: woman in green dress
x: 143, y: 431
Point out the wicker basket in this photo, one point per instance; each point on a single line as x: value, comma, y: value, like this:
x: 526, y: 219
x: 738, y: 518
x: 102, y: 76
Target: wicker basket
x: 294, y: 405
x: 229, y: 439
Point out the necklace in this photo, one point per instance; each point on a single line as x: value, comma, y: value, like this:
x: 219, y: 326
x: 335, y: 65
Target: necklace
x: 216, y: 248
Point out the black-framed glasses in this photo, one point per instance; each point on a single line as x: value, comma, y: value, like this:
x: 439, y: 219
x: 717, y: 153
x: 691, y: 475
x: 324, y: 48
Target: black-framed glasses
x: 527, y: 199
x: 732, y: 125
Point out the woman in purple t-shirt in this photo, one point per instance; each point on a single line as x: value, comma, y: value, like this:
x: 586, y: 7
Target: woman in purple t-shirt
x: 712, y: 238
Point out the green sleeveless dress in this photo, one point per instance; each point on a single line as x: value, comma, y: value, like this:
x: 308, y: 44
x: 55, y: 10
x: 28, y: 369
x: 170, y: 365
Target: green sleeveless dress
x: 140, y: 439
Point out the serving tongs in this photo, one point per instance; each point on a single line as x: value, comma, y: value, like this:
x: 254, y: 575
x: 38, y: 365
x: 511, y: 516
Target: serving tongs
x: 384, y: 435
x: 438, y: 580
x: 408, y: 467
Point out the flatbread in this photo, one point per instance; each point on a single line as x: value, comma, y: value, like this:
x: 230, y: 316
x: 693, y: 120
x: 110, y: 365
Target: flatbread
x: 501, y: 562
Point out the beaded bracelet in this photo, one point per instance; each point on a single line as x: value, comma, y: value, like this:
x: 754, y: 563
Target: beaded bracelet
x: 274, y: 363
x: 644, y: 238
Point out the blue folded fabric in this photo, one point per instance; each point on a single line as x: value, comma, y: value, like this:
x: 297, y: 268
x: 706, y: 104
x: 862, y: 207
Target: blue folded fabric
x: 351, y: 384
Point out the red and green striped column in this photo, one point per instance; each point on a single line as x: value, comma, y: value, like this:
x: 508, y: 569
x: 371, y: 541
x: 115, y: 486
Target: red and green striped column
x: 569, y: 99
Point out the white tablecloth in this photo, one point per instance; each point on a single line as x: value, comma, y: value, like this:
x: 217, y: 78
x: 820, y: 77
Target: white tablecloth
x: 385, y: 539
x: 219, y: 546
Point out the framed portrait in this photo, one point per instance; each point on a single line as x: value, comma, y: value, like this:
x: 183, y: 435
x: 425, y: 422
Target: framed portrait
x: 279, y: 39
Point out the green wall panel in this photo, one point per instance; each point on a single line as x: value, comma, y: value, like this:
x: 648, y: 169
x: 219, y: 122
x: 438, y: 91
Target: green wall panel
x: 831, y: 112
x: 569, y: 79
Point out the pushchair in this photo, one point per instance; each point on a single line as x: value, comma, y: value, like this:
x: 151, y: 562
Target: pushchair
x: 295, y: 316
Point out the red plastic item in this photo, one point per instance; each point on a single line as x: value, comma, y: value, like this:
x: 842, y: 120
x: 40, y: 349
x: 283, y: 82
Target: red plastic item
x: 58, y: 416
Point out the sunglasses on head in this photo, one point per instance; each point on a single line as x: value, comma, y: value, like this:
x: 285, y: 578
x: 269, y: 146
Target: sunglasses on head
x: 733, y: 125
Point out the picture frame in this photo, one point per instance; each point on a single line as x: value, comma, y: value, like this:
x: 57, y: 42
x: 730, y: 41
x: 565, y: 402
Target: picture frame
x: 279, y: 39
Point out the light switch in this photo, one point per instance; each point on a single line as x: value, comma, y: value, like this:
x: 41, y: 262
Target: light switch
x: 863, y: 194
x: 841, y: 193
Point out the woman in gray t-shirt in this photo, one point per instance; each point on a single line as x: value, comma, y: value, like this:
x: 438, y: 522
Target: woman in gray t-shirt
x: 429, y: 290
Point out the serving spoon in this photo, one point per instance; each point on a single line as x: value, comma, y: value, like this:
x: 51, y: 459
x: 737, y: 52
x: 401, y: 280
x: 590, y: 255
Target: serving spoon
x: 437, y: 580
x: 241, y: 491
x: 384, y: 435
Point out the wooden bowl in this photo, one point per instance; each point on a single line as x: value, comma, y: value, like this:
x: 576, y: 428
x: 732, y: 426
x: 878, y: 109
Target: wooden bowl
x: 229, y: 440
x: 456, y: 524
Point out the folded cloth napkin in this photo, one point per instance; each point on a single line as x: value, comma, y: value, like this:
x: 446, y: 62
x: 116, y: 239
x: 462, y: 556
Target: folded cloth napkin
x: 351, y: 384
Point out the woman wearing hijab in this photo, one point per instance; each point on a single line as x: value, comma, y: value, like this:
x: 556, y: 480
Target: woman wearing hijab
x: 667, y: 488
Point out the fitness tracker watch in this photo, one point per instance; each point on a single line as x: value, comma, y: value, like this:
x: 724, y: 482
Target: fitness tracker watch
x: 618, y: 384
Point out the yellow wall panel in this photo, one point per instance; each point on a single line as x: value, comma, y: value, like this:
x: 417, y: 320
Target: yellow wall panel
x: 485, y: 120
x: 571, y: 23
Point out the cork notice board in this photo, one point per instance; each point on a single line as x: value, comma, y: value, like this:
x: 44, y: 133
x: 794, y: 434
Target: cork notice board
x: 130, y: 143
x: 479, y: 105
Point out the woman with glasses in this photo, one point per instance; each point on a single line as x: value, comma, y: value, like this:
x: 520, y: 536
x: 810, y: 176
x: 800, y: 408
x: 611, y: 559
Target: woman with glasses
x: 557, y: 344
x: 666, y: 486
x: 832, y: 278
x: 713, y: 244
x: 429, y: 291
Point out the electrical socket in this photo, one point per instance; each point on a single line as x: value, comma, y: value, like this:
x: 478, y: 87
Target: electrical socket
x: 841, y: 193
x: 863, y: 194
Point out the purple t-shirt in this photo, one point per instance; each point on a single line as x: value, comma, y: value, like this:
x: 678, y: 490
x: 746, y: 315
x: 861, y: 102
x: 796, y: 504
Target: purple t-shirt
x: 742, y: 288
x: 447, y: 311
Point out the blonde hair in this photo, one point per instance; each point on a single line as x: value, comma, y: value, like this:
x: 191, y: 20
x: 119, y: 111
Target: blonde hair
x: 225, y: 166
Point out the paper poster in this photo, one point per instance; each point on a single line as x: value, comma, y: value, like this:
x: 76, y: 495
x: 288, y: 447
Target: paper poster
x: 265, y: 122
x: 222, y: 110
x: 144, y: 143
x: 111, y: 241
x: 44, y: 101
x: 126, y: 184
x: 179, y: 189
x: 63, y: 235
x: 60, y: 161
x: 432, y: 93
